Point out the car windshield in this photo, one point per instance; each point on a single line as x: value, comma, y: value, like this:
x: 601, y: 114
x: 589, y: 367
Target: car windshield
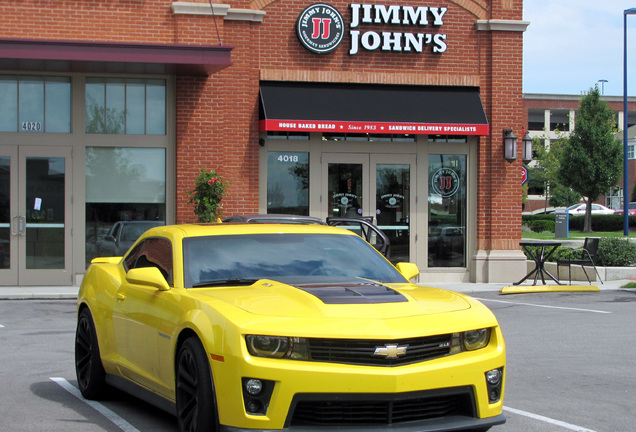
x: 290, y: 258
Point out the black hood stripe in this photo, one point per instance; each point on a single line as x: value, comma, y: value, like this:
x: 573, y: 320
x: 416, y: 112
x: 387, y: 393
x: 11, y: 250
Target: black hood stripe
x: 364, y: 293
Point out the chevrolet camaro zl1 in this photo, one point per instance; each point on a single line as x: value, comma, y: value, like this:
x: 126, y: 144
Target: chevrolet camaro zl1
x: 265, y: 327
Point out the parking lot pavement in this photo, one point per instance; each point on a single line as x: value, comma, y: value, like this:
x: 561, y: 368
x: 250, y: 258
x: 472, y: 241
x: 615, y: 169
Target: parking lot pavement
x: 70, y: 292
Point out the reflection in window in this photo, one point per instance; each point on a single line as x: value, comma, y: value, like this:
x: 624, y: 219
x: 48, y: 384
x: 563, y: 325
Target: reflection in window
x: 288, y: 183
x: 345, y: 189
x: 35, y: 104
x: 393, y: 207
x: 447, y: 211
x: 152, y: 252
x: 125, y: 106
x: 122, y: 184
x: 5, y: 214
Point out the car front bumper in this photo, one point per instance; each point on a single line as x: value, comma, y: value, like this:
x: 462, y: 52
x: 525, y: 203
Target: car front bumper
x: 302, y: 381
x: 447, y: 424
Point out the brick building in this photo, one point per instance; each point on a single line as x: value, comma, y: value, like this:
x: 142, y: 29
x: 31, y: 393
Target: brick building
x: 390, y: 110
x: 550, y: 116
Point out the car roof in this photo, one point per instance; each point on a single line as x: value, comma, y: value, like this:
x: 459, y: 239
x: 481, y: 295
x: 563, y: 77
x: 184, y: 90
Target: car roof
x: 198, y: 230
x: 274, y: 218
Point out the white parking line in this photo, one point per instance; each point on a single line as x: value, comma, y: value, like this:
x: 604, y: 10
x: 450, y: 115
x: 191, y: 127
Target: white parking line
x: 110, y: 415
x: 547, y: 420
x: 544, y: 306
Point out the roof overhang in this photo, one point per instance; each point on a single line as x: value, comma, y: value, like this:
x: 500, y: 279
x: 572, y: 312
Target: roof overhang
x: 371, y: 108
x: 112, y: 57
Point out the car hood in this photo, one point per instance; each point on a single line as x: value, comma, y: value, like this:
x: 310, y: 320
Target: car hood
x: 364, y: 299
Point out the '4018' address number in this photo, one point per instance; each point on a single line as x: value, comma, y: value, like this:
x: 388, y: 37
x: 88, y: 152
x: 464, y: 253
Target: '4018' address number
x: 288, y: 158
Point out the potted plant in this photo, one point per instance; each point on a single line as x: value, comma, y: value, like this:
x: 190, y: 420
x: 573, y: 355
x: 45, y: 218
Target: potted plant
x: 207, y: 195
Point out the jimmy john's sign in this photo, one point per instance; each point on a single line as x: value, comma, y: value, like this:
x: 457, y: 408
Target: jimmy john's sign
x: 321, y: 28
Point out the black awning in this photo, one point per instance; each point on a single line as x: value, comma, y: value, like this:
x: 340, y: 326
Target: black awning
x: 375, y: 108
x: 112, y: 57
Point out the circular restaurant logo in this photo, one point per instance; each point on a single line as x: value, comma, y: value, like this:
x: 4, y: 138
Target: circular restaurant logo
x: 445, y: 182
x: 320, y: 28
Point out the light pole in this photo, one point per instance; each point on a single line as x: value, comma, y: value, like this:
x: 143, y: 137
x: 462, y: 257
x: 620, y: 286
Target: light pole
x: 631, y: 11
x: 602, y: 81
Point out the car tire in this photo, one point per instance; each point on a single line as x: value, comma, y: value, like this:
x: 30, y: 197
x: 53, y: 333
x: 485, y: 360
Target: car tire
x: 196, y: 404
x: 88, y: 363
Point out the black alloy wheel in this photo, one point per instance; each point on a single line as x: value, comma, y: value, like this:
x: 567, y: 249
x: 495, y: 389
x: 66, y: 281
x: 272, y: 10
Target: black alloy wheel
x: 88, y: 363
x: 196, y: 405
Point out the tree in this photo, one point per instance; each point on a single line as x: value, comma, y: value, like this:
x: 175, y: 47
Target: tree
x: 544, y: 174
x: 591, y: 157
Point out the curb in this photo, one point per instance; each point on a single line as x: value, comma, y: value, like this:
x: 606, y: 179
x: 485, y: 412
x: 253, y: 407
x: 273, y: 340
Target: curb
x: 548, y: 288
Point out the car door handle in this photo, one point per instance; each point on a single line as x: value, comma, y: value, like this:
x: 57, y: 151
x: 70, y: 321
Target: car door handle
x: 121, y: 297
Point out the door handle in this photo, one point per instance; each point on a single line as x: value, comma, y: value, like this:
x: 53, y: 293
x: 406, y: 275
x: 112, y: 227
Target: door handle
x: 14, y: 225
x: 18, y: 225
x: 21, y: 225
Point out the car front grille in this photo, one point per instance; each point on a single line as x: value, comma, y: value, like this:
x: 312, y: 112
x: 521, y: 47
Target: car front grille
x: 361, y: 352
x: 382, y: 409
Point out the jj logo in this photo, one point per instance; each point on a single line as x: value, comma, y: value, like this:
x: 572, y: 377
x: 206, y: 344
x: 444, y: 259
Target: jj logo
x: 321, y: 23
x: 320, y: 28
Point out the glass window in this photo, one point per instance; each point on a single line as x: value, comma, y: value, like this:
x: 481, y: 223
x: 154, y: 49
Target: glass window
x: 125, y: 106
x: 560, y: 119
x: 536, y: 119
x: 57, y: 104
x: 345, y: 186
x: 152, y: 252
x: 288, y: 182
x: 35, y: 104
x: 31, y: 106
x: 123, y: 184
x: 447, y: 211
x: 5, y: 214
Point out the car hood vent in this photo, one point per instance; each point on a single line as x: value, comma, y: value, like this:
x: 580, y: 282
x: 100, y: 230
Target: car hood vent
x: 354, y: 293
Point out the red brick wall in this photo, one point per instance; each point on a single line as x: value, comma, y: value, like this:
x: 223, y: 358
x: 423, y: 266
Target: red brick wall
x: 217, y: 117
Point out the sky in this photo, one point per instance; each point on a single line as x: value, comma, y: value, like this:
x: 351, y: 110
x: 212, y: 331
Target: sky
x: 572, y: 44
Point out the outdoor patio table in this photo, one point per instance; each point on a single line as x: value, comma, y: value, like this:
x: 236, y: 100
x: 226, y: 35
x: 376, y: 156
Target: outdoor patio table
x: 539, y: 252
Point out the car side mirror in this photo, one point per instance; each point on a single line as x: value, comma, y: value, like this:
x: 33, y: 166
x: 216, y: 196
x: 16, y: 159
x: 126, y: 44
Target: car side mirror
x: 408, y: 270
x: 147, y: 276
x: 109, y: 238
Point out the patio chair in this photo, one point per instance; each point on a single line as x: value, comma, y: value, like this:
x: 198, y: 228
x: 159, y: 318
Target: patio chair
x: 583, y: 256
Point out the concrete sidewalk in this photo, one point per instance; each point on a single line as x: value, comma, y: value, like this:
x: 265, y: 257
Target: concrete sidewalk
x: 70, y: 292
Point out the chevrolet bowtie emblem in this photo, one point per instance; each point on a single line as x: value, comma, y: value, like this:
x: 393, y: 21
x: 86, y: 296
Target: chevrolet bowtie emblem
x: 390, y: 351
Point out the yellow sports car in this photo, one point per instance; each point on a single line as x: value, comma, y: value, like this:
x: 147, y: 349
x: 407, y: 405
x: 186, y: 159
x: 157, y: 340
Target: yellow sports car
x: 246, y: 327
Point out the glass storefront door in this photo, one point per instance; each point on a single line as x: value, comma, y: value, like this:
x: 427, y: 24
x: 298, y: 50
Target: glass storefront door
x: 35, y: 220
x: 447, y: 210
x: 393, y: 197
x: 377, y: 186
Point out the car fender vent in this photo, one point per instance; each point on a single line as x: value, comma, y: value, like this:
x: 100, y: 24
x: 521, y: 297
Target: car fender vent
x: 367, y: 293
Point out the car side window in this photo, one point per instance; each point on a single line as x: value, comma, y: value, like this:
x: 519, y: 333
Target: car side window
x: 152, y: 252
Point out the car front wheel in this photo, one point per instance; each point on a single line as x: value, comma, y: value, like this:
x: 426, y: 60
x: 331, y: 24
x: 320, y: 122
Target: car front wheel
x: 196, y: 406
x: 88, y: 363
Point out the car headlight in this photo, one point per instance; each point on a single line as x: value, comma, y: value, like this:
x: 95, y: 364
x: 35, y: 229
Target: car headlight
x: 476, y: 339
x: 277, y: 347
x: 470, y: 340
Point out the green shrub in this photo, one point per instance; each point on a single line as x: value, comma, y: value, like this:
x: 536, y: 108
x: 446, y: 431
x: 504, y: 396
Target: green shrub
x: 542, y: 225
x: 616, y: 252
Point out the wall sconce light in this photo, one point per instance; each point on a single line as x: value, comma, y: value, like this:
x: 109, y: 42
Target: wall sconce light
x: 526, y: 151
x: 510, y: 145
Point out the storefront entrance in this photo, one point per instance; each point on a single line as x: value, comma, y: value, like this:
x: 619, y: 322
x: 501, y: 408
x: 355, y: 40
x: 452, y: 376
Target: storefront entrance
x: 418, y: 190
x: 35, y: 215
x: 377, y: 186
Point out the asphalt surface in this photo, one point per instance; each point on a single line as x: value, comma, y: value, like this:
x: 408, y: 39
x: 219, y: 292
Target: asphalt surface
x: 70, y: 292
